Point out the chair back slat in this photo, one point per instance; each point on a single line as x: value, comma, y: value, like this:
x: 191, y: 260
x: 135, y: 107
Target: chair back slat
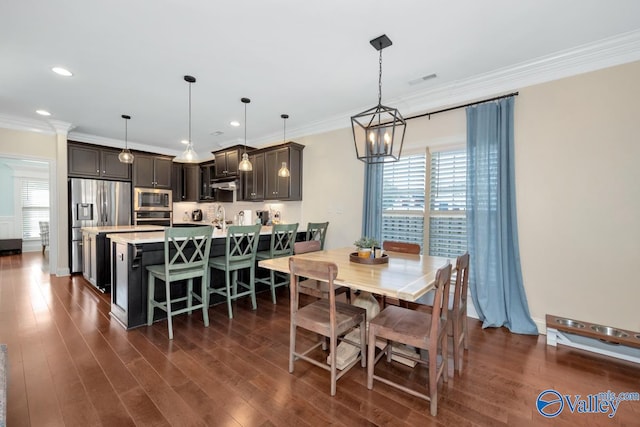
x: 404, y: 247
x: 440, y: 311
x: 283, y: 237
x: 462, y: 282
x: 317, y: 231
x: 186, y: 247
x: 306, y: 246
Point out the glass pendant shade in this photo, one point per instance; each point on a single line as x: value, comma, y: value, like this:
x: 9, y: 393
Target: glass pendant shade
x: 245, y: 165
x: 125, y: 155
x: 378, y: 133
x: 189, y: 155
x: 283, y: 172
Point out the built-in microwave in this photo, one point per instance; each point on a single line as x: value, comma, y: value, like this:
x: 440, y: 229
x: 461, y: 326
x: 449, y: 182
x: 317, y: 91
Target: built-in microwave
x: 152, y: 199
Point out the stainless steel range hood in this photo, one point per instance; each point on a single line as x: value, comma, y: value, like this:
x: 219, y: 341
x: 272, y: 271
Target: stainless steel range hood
x: 224, y: 184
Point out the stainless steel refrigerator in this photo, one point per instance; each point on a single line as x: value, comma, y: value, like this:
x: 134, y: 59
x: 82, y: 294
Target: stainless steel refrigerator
x: 94, y: 203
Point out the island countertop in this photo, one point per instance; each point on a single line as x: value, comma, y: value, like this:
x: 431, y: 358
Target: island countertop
x: 158, y: 236
x: 122, y: 229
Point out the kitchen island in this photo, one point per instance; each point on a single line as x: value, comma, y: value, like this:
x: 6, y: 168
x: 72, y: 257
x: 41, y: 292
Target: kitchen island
x: 131, y: 253
x: 96, y: 251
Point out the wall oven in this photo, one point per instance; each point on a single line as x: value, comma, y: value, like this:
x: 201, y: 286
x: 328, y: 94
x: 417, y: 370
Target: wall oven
x: 152, y: 199
x: 153, y: 218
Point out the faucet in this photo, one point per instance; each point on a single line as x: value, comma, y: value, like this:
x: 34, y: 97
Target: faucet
x: 221, y: 212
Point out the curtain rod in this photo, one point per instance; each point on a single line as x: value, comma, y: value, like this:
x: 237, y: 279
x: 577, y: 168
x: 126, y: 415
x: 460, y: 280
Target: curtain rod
x: 462, y: 106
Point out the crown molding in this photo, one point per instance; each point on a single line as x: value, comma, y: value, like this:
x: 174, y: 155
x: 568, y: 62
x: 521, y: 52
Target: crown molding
x: 119, y: 144
x: 26, y: 124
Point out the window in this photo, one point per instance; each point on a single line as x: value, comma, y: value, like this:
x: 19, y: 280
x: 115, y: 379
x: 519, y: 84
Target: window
x: 35, y: 206
x: 447, y: 203
x: 403, y: 199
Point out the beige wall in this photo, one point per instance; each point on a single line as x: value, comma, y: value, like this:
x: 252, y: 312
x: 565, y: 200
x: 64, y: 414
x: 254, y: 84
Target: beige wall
x: 19, y: 144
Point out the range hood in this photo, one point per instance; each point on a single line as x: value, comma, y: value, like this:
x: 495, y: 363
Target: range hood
x: 224, y: 184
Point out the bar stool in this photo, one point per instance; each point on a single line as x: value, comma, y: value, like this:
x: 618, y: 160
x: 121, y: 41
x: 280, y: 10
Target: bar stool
x: 283, y: 237
x: 241, y: 246
x: 186, y: 254
x: 317, y: 231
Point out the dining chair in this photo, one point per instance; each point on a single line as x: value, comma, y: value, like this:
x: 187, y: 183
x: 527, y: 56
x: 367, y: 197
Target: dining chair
x: 186, y: 254
x: 457, y: 317
x: 418, y: 329
x: 283, y: 237
x: 401, y: 247
x: 326, y: 317
x: 312, y: 287
x: 241, y: 246
x: 317, y: 231
x: 44, y: 234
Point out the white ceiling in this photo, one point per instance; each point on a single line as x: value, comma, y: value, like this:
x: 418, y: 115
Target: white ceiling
x: 309, y: 59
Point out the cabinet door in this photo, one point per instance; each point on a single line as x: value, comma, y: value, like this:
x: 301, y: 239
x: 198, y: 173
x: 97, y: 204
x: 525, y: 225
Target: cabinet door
x: 143, y: 171
x: 232, y: 162
x: 254, y: 180
x: 162, y: 169
x: 112, y: 167
x: 83, y: 161
x: 277, y: 188
x: 207, y: 171
x: 221, y: 165
x: 86, y: 256
x: 190, y: 183
x: 177, y: 183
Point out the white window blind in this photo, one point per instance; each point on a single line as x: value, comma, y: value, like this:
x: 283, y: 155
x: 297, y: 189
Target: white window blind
x: 447, y: 203
x: 403, y: 199
x: 35, y: 206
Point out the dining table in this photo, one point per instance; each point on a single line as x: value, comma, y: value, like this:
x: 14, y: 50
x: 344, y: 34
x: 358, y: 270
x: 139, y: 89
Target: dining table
x: 403, y: 276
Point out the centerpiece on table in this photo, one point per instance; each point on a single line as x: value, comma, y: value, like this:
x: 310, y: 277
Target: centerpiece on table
x: 366, y: 246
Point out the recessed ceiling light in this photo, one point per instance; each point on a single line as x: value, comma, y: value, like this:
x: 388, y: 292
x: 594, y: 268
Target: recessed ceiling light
x: 217, y: 133
x: 235, y: 123
x: 185, y: 141
x: 62, y: 71
x: 43, y: 112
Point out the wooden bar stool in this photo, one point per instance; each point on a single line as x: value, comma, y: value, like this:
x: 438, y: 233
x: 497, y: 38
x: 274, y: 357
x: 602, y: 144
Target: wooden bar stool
x: 186, y: 254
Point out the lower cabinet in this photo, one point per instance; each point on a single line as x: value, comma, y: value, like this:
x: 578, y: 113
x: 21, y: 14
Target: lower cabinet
x: 89, y: 258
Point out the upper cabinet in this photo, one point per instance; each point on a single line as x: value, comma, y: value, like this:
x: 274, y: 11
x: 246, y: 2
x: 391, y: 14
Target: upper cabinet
x: 254, y: 180
x: 283, y: 188
x: 85, y: 160
x: 185, y: 182
x: 227, y: 161
x: 152, y: 171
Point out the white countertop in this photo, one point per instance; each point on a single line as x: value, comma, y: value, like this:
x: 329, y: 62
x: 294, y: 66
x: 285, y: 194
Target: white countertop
x: 122, y: 229
x: 158, y: 236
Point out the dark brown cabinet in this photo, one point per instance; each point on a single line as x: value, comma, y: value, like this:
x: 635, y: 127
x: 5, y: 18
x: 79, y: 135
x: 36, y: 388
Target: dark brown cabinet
x: 152, y: 171
x: 185, y: 182
x: 207, y: 173
x: 85, y: 160
x: 283, y: 188
x: 226, y: 163
x: 254, y: 180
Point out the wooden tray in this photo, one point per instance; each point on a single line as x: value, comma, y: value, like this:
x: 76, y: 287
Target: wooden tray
x: 353, y: 257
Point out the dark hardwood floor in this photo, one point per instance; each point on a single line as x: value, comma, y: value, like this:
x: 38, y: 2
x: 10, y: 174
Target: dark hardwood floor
x: 71, y: 364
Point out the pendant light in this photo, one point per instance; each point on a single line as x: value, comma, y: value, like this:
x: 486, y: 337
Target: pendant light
x: 189, y: 155
x: 125, y: 155
x: 245, y: 165
x: 283, y: 171
x: 378, y: 133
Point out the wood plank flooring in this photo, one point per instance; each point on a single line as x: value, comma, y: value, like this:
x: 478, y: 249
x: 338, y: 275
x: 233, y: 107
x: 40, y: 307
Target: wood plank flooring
x: 71, y: 364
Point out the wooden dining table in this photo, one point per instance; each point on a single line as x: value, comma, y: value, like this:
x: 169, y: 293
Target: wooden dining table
x: 405, y: 276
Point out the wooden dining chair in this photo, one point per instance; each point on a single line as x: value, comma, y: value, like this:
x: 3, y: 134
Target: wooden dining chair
x: 241, y: 246
x: 186, y: 254
x: 312, y: 287
x: 283, y: 237
x: 457, y: 317
x: 418, y: 329
x: 317, y: 231
x: 326, y: 317
x: 401, y: 247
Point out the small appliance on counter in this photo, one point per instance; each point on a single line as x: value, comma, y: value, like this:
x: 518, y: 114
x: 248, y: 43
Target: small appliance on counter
x: 196, y: 215
x: 264, y: 217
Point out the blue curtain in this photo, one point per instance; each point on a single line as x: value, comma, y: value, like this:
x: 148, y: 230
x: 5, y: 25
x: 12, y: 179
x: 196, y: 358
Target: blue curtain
x: 372, y: 203
x: 495, y: 276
